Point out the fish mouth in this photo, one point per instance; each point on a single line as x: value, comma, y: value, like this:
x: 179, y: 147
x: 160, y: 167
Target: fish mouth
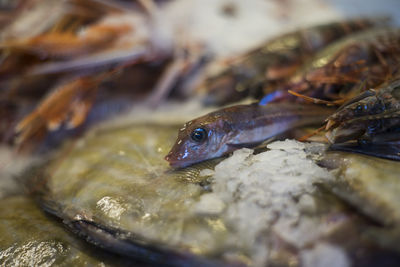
x: 177, y: 163
x: 174, y: 162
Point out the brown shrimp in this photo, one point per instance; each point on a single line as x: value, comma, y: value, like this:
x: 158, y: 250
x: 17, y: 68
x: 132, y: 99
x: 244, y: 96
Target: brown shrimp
x: 278, y: 59
x: 344, y: 69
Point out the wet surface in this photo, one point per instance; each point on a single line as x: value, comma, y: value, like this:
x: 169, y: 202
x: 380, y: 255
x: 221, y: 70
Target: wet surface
x: 114, y: 189
x: 31, y: 238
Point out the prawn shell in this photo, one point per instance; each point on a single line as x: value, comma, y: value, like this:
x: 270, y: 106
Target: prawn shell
x: 263, y: 69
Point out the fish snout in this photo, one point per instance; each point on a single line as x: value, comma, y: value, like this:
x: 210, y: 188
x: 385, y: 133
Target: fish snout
x: 177, y: 159
x: 173, y: 159
x: 169, y: 157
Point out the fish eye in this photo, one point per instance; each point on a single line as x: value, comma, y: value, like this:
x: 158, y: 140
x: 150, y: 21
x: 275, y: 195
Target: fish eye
x: 199, y: 135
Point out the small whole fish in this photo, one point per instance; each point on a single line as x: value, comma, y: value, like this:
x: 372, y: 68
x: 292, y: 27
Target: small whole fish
x: 225, y: 130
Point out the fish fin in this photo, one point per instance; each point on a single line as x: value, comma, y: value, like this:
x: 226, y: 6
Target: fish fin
x: 389, y: 150
x: 271, y: 97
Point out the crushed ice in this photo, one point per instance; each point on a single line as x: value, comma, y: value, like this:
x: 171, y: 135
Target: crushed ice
x: 267, y: 193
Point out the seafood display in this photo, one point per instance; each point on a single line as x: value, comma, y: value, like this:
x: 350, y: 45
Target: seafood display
x: 115, y: 190
x: 223, y: 131
x: 340, y: 71
x: 301, y: 169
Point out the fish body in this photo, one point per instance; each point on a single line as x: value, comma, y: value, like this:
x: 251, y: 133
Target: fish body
x: 225, y: 130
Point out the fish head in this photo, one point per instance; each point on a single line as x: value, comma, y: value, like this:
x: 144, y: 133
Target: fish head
x: 200, y: 139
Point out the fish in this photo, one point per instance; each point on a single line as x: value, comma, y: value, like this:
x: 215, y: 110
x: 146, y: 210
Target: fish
x: 223, y: 131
